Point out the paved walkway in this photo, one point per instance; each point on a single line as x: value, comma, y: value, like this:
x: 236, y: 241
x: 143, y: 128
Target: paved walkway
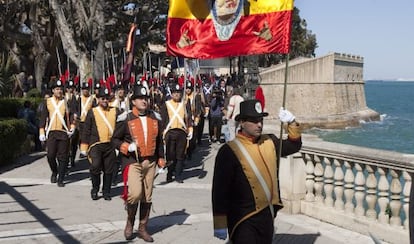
x: 32, y: 210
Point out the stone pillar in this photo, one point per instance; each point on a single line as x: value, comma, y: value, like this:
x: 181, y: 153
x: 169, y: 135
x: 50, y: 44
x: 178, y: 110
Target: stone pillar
x: 292, y: 178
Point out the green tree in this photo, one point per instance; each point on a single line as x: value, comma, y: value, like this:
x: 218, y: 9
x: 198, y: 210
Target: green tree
x: 6, y: 75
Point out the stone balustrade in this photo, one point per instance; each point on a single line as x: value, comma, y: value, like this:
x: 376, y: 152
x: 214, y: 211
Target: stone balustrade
x: 360, y: 189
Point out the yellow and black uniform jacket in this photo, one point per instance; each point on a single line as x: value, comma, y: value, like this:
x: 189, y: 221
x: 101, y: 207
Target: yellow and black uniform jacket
x: 237, y: 193
x: 54, y: 123
x: 96, y: 130
x: 84, y: 105
x: 131, y: 129
x: 195, y: 105
x: 167, y: 114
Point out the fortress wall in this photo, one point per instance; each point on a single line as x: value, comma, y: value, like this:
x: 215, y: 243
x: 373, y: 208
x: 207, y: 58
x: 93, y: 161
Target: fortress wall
x: 323, y: 92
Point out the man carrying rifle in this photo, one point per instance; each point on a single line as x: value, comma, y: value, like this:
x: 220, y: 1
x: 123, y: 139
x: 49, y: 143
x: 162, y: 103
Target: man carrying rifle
x: 138, y: 137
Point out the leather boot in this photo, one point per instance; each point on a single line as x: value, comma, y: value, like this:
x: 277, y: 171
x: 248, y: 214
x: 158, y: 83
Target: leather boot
x: 170, y: 171
x: 61, y: 172
x: 132, y: 211
x: 144, y: 211
x: 107, y: 181
x: 96, y: 181
x: 179, y: 171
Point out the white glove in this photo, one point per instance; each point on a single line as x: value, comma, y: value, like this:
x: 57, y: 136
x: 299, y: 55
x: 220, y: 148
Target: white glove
x: 42, y: 138
x: 70, y: 133
x: 190, y: 136
x: 132, y: 147
x: 220, y: 233
x: 83, y: 153
x: 285, y: 116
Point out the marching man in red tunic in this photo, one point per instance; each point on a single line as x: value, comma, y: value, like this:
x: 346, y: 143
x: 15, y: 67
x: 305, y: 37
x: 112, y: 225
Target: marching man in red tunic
x: 138, y: 137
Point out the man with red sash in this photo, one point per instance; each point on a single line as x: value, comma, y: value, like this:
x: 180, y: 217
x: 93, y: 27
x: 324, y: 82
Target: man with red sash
x: 245, y: 193
x: 96, y: 143
x: 138, y: 137
x: 56, y: 125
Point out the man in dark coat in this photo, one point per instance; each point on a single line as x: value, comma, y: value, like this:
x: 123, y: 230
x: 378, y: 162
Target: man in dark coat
x: 245, y: 192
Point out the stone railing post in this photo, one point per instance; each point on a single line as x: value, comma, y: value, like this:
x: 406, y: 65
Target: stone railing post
x: 310, y: 178
x: 328, y: 182
x: 371, y: 196
x: 359, y: 190
x: 349, y: 188
x: 318, y: 179
x: 383, y: 188
x: 292, y: 178
x: 406, y: 197
x: 339, y: 185
x: 395, y: 203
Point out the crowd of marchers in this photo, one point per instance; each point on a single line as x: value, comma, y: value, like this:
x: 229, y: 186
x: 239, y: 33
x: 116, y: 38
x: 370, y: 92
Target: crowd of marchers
x: 132, y: 128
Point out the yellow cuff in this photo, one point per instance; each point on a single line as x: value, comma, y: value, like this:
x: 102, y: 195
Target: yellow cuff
x: 84, y: 147
x: 220, y: 221
x: 294, y: 131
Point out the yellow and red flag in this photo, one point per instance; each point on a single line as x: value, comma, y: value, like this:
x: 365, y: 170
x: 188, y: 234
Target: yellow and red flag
x: 207, y: 29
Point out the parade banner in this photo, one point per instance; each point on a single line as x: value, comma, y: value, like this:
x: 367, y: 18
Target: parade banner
x: 207, y: 29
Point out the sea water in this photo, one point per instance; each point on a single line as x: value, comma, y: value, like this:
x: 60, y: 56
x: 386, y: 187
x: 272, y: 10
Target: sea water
x: 394, y: 101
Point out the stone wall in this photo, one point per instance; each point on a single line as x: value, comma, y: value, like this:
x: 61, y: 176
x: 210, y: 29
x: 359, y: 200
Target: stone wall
x: 324, y: 92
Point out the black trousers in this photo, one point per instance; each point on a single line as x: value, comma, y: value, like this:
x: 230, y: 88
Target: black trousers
x: 57, y: 149
x: 258, y: 229
x: 175, y: 144
x: 102, y: 158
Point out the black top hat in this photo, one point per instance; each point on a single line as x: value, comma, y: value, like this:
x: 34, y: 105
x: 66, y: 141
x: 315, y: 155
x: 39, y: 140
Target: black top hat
x: 70, y: 84
x: 175, y: 88
x: 189, y: 85
x: 139, y: 91
x: 250, y: 109
x: 103, y: 92
x: 57, y: 83
x: 97, y: 85
x: 85, y: 85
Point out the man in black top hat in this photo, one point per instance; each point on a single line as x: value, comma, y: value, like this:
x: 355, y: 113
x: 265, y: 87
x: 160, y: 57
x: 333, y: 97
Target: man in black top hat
x: 96, y: 143
x: 139, y: 140
x: 56, y: 125
x: 245, y: 193
x: 178, y: 129
x: 72, y: 100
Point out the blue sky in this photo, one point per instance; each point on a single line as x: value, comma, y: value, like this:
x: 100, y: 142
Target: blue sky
x: 381, y: 31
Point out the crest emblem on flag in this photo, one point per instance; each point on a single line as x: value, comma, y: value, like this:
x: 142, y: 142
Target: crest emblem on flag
x: 226, y: 15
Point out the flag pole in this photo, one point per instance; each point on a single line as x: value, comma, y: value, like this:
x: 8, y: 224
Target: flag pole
x: 283, y: 105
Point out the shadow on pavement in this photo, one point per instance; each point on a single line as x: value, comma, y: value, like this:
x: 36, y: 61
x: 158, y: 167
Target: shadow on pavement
x: 36, y: 213
x: 22, y: 161
x: 160, y: 223
x: 192, y: 166
x: 296, y: 239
